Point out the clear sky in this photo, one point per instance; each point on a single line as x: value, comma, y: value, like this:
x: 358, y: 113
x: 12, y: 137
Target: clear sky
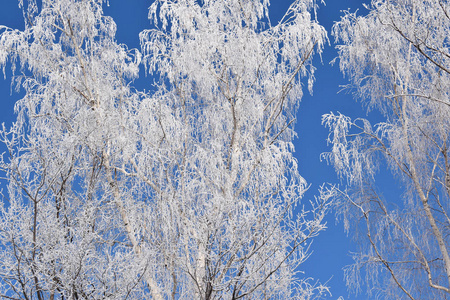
x: 331, y: 248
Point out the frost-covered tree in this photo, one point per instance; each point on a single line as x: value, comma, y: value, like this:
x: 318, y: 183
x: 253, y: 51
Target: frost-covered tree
x: 184, y: 192
x: 397, y: 58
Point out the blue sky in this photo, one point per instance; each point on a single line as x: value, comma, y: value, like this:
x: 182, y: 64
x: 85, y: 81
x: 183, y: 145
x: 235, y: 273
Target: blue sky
x: 331, y: 248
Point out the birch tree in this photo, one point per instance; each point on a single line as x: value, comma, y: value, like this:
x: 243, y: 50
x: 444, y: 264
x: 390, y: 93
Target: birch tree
x: 184, y: 192
x: 397, y: 59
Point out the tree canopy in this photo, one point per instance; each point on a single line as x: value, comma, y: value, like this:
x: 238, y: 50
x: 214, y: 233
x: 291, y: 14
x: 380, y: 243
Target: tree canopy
x: 183, y: 191
x: 397, y: 59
